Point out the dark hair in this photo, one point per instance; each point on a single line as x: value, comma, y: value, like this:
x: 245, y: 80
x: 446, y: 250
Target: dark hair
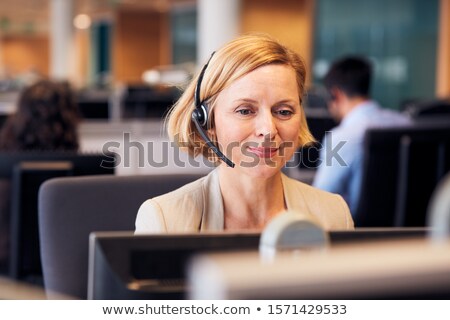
x: 46, y: 119
x: 350, y: 74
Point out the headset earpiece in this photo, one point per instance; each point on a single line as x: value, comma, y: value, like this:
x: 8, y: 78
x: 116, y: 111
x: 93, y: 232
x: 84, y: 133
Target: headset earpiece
x: 201, y: 115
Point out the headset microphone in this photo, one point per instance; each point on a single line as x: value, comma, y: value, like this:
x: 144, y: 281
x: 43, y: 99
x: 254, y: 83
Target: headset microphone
x: 209, y: 142
x: 200, y: 118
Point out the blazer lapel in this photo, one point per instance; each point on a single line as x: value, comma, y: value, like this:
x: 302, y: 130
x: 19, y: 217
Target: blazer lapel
x: 212, y: 211
x: 294, y: 197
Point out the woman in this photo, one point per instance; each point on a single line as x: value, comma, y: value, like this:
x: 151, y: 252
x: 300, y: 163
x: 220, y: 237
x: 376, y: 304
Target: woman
x: 46, y: 120
x: 248, y: 99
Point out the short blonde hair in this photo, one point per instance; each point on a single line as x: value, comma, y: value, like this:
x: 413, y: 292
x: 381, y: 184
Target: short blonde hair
x: 233, y: 61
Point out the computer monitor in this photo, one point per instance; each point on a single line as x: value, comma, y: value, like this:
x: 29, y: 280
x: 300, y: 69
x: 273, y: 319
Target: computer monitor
x: 127, y: 266
x: 83, y: 163
x: 23, y: 173
x: 319, y: 122
x: 94, y: 104
x: 401, y: 168
x: 141, y: 101
x: 407, y: 269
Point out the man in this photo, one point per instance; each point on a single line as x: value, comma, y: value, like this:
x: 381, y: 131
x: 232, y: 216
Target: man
x: 348, y: 83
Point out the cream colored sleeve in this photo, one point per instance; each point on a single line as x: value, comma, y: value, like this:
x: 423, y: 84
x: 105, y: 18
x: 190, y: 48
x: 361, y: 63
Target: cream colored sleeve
x: 150, y: 219
x: 346, y: 212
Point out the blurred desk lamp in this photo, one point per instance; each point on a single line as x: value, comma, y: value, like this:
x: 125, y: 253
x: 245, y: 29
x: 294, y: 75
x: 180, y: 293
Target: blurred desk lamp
x: 439, y: 211
x: 291, y: 231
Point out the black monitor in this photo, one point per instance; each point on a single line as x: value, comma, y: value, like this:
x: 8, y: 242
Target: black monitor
x: 140, y: 101
x: 94, y: 104
x: 319, y: 122
x: 401, y: 168
x: 24, y: 172
x: 127, y: 266
x: 83, y: 163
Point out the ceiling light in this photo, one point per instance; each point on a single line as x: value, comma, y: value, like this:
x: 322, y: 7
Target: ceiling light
x: 82, y: 21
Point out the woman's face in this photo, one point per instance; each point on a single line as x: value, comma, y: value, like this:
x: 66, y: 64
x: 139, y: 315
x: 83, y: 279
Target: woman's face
x: 257, y: 120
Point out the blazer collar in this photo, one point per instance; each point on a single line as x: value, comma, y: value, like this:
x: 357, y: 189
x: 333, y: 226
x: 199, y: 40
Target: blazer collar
x: 213, y: 212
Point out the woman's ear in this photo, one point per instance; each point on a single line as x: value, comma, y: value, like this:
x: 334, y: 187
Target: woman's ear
x: 211, y: 134
x: 211, y: 127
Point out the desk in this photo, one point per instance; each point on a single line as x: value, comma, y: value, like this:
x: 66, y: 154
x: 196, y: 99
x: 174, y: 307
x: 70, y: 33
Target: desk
x: 15, y: 290
x: 12, y: 290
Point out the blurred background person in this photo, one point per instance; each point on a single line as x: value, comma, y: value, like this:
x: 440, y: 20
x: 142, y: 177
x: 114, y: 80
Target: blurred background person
x: 46, y: 120
x: 348, y: 84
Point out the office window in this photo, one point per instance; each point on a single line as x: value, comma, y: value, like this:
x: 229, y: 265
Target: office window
x: 399, y: 36
x: 184, y: 34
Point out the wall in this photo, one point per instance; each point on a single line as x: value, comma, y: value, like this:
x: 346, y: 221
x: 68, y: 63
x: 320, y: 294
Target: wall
x: 289, y: 21
x: 21, y: 53
x: 81, y: 58
x: 443, y: 54
x: 140, y: 42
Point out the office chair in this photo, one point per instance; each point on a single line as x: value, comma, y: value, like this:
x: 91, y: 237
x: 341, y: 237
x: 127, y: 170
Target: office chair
x: 71, y: 208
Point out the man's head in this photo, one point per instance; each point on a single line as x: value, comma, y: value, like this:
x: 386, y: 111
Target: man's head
x: 348, y: 83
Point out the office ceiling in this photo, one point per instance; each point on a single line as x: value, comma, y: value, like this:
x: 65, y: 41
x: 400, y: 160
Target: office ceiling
x: 32, y: 16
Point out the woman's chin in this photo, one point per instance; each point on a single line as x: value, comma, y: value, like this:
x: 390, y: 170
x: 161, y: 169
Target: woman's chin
x: 264, y: 169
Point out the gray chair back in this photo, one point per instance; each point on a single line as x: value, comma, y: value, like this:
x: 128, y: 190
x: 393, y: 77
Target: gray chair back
x: 71, y: 208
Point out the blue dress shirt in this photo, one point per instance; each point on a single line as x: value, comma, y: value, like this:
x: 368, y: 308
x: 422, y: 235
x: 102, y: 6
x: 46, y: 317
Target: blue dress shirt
x: 341, y: 153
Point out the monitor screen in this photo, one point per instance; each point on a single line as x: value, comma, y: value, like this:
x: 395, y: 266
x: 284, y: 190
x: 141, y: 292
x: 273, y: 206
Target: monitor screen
x: 127, y: 266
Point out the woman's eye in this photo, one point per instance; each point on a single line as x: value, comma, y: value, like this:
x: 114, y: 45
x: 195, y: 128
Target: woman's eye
x: 244, y: 112
x: 285, y: 113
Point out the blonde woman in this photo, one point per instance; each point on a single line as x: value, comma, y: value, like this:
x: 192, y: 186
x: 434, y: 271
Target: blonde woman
x: 246, y: 107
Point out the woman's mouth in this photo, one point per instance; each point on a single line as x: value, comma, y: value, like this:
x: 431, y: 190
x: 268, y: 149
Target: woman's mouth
x: 262, y: 152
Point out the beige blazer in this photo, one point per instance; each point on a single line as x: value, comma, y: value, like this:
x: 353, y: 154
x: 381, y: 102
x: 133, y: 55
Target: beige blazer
x: 198, y: 206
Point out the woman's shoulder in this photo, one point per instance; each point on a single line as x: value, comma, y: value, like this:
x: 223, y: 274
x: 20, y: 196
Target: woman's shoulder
x: 175, y: 211
x: 330, y: 208
x: 307, y: 189
x: 188, y: 190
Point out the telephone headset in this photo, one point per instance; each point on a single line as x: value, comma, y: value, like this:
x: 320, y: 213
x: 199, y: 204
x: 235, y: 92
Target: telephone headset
x: 200, y: 117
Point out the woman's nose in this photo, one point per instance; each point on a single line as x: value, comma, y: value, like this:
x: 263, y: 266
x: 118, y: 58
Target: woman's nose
x: 266, y: 126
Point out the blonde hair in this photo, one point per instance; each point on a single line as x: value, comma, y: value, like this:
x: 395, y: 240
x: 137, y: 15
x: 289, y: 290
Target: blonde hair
x: 233, y: 61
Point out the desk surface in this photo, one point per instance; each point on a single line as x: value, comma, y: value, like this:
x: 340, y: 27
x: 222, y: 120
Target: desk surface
x: 15, y: 290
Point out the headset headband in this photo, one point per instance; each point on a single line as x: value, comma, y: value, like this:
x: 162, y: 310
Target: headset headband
x: 199, y: 83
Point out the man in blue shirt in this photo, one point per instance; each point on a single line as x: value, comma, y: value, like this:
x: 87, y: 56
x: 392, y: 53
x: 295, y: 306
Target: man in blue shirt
x: 341, y: 156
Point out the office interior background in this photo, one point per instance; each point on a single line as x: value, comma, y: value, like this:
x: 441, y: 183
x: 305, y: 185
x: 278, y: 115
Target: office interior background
x: 122, y: 55
x: 103, y: 44
x: 129, y: 59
